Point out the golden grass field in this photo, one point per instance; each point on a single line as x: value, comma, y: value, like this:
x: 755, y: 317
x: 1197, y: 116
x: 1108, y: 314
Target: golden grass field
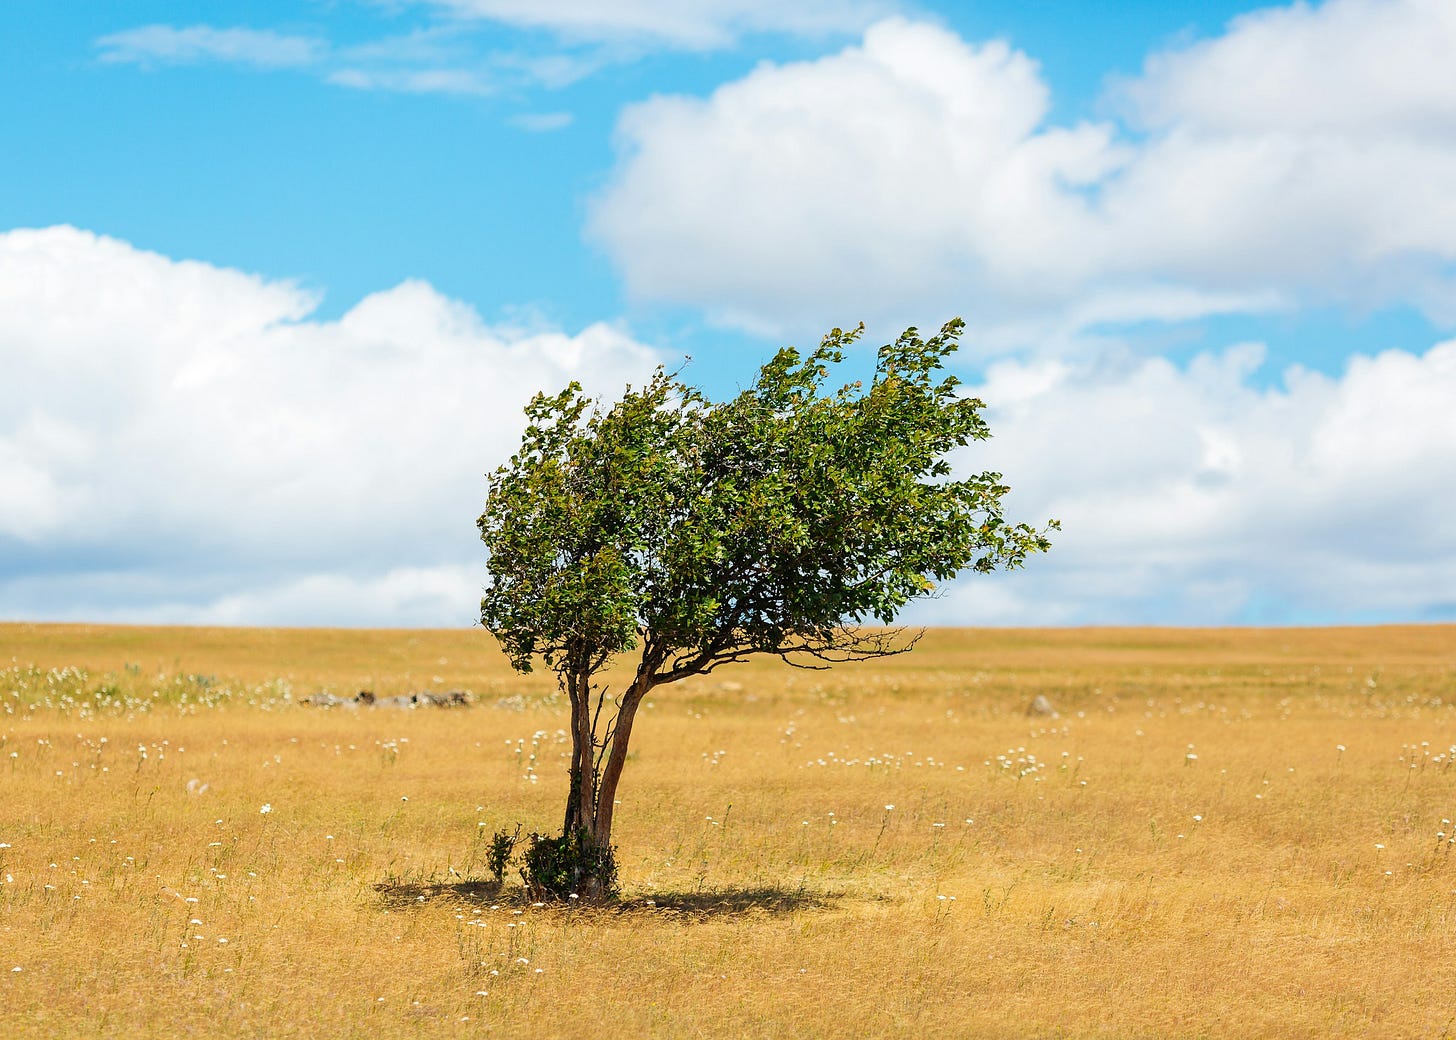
x: 1224, y: 833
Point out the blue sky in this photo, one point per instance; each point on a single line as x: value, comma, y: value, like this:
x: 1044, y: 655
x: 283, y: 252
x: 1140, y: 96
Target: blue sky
x: 275, y: 279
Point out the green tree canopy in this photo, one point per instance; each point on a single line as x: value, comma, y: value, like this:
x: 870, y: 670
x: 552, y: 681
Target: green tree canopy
x: 788, y: 521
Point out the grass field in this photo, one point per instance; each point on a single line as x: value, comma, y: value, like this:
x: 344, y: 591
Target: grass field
x: 1229, y: 833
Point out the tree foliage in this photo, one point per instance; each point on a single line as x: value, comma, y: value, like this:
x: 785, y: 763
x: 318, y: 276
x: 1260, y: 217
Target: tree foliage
x: 788, y: 520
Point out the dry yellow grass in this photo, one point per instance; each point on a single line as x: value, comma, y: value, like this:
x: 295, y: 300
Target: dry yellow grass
x: 1184, y: 851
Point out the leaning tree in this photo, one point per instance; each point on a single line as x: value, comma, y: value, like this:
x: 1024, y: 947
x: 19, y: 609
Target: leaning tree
x: 689, y: 534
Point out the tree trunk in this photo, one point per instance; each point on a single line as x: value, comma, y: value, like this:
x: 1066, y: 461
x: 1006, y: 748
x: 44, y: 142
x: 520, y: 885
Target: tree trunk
x: 580, y: 863
x: 591, y: 797
x: 601, y: 832
x: 581, y: 798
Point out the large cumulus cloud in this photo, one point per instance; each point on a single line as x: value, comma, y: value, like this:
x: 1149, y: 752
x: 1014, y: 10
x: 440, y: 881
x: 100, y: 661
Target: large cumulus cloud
x: 180, y: 441
x: 1195, y: 495
x: 1304, y: 156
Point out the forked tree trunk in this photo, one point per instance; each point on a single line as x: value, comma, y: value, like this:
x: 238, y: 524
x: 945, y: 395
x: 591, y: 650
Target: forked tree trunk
x: 581, y: 798
x: 592, y: 797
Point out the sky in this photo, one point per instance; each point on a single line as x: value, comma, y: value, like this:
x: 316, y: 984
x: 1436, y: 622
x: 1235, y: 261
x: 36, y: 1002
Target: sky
x: 276, y: 280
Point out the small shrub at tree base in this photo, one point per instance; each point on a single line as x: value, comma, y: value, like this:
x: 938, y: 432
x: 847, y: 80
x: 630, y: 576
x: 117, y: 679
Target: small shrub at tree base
x: 569, y: 866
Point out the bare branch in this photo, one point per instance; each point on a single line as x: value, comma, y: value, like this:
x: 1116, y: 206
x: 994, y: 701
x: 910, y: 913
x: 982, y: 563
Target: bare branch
x: 838, y: 646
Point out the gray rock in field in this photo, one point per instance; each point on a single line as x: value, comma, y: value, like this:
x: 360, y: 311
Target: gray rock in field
x: 1041, y: 706
x: 420, y: 699
x: 328, y: 700
x: 444, y: 699
x: 370, y: 699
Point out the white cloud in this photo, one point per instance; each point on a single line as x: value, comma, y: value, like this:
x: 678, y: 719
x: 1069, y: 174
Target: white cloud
x: 701, y: 25
x: 467, y: 82
x: 170, y: 45
x: 445, y: 57
x: 1303, y: 156
x: 1190, y: 496
x: 1380, y: 67
x: 175, y: 433
x: 1306, y: 148
x: 904, y: 175
x: 181, y: 442
x: 446, y: 595
x: 907, y: 169
x: 440, y: 59
x: 542, y: 122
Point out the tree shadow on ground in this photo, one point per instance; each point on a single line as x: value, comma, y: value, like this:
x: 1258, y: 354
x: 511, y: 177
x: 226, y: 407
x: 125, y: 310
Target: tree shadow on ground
x: 402, y: 894
x: 730, y: 902
x: 695, y: 904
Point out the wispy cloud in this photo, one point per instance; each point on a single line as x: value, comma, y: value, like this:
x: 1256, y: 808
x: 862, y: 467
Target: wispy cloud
x: 448, y: 55
x: 414, y: 81
x: 672, y: 23
x: 441, y: 59
x: 542, y: 122
x: 554, y: 70
x: 195, y: 44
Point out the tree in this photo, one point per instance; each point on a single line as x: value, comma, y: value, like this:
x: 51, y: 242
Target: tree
x: 691, y: 534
